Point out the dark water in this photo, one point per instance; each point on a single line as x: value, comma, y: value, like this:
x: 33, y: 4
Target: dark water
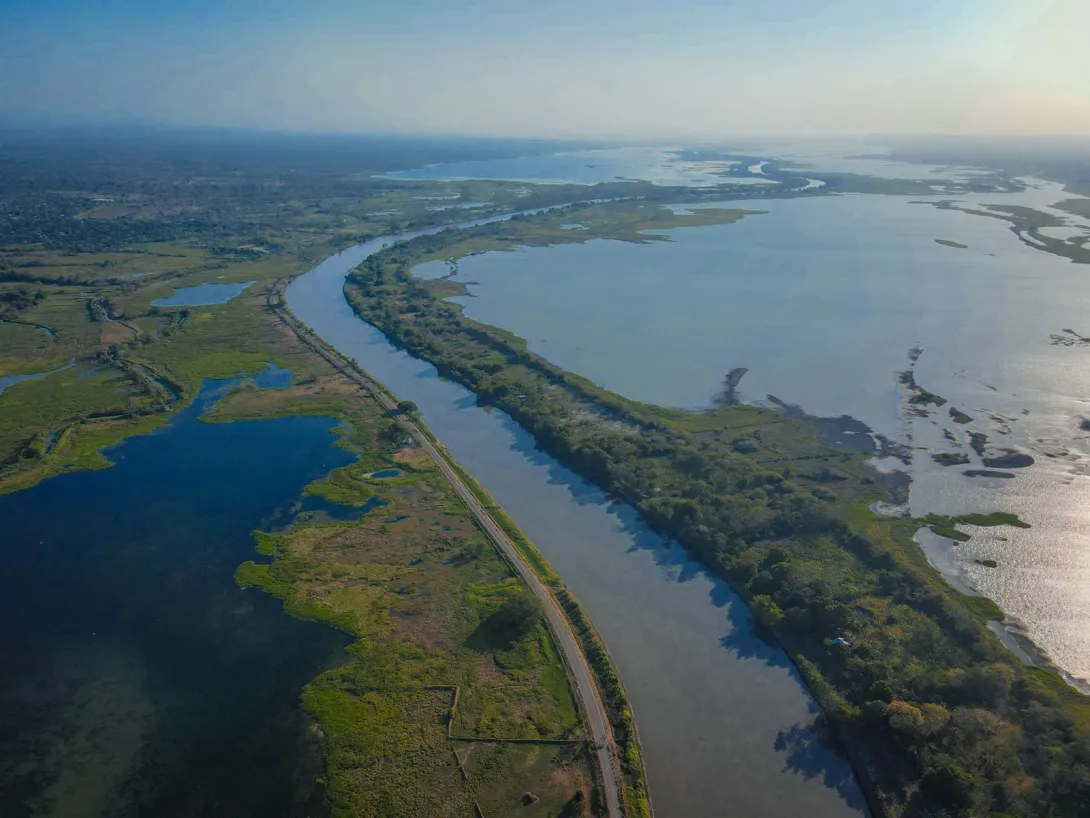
x: 136, y: 678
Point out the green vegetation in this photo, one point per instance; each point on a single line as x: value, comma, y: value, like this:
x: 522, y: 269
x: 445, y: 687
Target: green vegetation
x: 613, y: 693
x: 936, y: 715
x: 1077, y: 207
x: 437, y: 615
x: 959, y: 416
x: 1027, y: 224
x: 949, y: 243
x: 945, y: 526
x: 950, y: 458
x: 446, y: 650
x: 634, y: 221
x: 526, y: 548
x: 614, y: 697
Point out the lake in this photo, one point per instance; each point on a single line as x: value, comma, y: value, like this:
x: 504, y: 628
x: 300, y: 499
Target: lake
x: 822, y: 299
x: 202, y: 295
x: 136, y: 678
x: 663, y: 166
x: 723, y: 718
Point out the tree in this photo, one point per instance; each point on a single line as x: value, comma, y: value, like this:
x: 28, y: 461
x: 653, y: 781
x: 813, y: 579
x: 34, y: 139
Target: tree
x: 765, y: 610
x: 517, y: 615
x: 405, y: 407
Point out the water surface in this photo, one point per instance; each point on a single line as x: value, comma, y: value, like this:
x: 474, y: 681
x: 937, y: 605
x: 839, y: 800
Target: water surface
x: 723, y: 717
x: 662, y: 166
x: 202, y: 295
x: 136, y: 678
x: 7, y: 381
x: 821, y: 299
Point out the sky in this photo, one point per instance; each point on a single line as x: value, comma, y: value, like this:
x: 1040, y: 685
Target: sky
x: 566, y: 68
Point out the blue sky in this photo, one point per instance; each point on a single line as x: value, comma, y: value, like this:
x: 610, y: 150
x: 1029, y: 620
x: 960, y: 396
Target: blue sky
x: 554, y: 67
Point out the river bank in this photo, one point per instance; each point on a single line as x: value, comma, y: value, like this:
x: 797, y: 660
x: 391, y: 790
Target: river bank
x: 135, y: 676
x: 607, y: 437
x: 679, y: 637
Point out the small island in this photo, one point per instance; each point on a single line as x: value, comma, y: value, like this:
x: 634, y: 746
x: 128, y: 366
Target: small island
x: 949, y: 243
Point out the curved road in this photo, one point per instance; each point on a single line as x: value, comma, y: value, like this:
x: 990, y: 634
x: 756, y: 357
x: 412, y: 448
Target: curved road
x: 587, y: 691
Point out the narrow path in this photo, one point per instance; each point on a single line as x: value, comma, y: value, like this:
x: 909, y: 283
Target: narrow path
x: 586, y: 690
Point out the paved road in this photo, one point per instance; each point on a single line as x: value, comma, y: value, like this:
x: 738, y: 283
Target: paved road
x: 595, y: 711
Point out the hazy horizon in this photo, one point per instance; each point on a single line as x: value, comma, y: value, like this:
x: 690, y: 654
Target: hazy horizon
x: 563, y: 69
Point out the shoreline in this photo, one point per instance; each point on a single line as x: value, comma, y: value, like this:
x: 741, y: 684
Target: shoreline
x: 575, y: 658
x: 613, y: 414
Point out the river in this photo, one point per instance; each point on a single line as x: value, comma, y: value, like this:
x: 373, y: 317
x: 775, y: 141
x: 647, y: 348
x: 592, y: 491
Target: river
x: 723, y: 718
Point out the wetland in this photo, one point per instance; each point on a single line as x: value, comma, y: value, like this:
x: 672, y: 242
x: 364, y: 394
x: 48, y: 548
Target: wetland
x: 364, y: 546
x: 605, y: 437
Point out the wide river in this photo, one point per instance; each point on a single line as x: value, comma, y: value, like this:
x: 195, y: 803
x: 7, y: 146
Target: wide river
x: 723, y: 718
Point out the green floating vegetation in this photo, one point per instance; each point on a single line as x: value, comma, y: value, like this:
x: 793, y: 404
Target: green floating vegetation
x: 950, y: 243
x: 267, y: 544
x: 347, y: 486
x: 993, y: 519
x: 944, y: 525
x: 950, y: 458
x: 959, y: 416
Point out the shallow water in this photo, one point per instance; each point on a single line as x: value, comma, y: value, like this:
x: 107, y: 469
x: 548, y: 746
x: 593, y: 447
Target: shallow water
x: 659, y: 165
x: 202, y: 295
x: 723, y: 718
x: 821, y: 299
x: 384, y: 473
x: 136, y: 678
x: 273, y: 378
x: 8, y: 381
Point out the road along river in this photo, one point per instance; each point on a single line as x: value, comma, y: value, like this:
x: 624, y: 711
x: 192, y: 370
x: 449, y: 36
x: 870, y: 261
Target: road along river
x: 598, y: 726
x: 722, y: 717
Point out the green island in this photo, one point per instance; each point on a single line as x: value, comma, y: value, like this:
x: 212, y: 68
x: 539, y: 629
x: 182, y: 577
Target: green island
x: 936, y: 715
x: 949, y: 243
x: 950, y: 458
x: 1026, y: 223
x: 453, y: 698
x: 946, y: 526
